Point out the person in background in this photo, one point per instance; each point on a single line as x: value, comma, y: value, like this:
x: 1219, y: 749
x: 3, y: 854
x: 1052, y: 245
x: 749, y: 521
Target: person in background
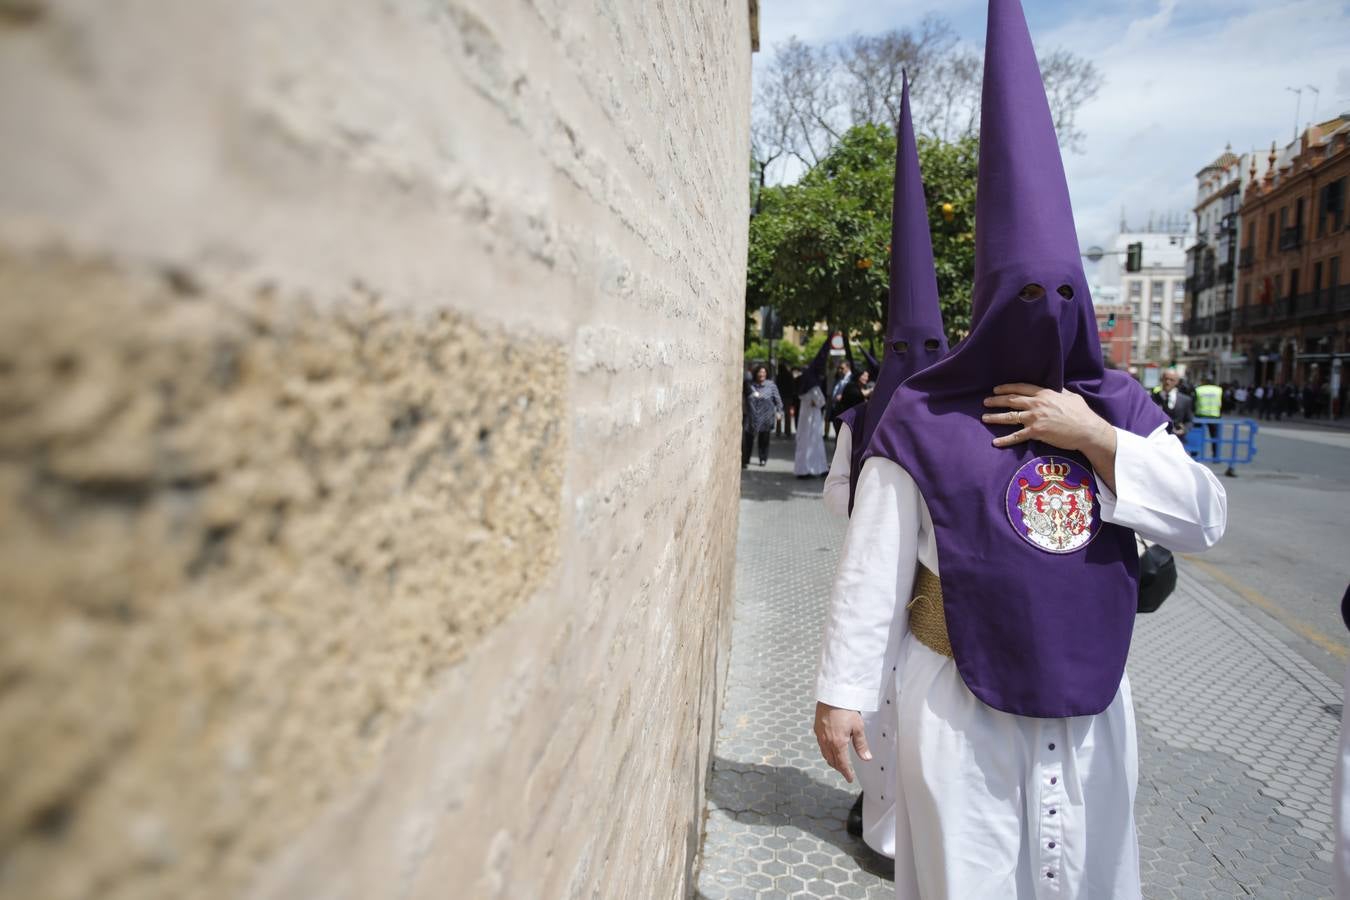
x: 1209, y: 405
x: 1180, y: 408
x: 914, y: 340
x: 808, y: 457
x: 787, y: 389
x: 762, y: 409
x: 843, y: 377
x: 854, y: 393
x: 1240, y: 395
x: 1289, y: 401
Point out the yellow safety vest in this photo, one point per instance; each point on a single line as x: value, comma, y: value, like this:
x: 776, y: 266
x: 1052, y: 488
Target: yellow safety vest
x: 1209, y: 401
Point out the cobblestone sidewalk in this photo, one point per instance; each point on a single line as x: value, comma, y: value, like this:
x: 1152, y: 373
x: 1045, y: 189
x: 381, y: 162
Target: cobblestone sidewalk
x: 1237, y: 735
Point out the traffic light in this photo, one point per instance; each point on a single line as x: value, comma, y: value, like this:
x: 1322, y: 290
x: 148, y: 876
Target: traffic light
x: 771, y: 324
x: 1111, y: 322
x: 1134, y: 257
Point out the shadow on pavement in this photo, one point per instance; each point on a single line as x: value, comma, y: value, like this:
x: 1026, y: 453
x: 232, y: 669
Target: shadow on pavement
x: 782, y: 796
x: 775, y: 482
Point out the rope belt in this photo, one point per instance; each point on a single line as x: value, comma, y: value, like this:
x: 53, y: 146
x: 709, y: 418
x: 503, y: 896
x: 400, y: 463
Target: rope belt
x: 927, y: 620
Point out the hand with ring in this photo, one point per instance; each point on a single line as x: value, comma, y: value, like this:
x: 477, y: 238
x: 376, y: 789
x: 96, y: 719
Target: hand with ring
x: 1058, y: 418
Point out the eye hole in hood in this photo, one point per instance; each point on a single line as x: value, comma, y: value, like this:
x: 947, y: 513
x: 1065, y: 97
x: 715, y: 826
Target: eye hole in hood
x: 932, y: 345
x: 1065, y: 291
x: 1031, y: 293
x: 901, y: 347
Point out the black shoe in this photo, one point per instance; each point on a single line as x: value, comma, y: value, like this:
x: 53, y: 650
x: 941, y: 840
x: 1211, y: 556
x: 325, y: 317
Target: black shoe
x: 854, y: 823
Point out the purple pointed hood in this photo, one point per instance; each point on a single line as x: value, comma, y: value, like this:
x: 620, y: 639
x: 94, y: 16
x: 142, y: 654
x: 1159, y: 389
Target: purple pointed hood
x: 1023, y: 552
x: 814, y: 374
x: 914, y: 335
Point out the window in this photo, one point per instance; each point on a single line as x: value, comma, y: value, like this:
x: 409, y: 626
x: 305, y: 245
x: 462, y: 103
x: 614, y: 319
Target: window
x: 1279, y: 287
x: 1178, y: 291
x: 1317, y: 282
x: 1293, y: 283
x: 1270, y: 233
x: 1155, y: 290
x: 1177, y: 313
x: 1155, y: 311
x: 1247, y: 295
x: 1334, y: 272
x: 1330, y: 207
x: 1136, y: 289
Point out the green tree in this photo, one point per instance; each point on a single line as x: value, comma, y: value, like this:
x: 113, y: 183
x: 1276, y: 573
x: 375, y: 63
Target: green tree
x: 819, y: 249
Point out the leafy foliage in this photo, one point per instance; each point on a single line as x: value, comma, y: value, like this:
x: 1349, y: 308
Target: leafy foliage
x: 819, y: 249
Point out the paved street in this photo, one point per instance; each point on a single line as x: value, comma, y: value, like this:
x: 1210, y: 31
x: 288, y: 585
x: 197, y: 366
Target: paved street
x: 1237, y: 728
x: 1287, y: 551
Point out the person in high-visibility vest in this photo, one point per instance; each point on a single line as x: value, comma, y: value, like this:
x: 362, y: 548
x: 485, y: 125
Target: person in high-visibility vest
x: 1209, y: 405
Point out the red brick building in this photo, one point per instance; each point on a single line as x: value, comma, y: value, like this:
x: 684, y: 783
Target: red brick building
x: 1117, y: 337
x: 1293, y: 314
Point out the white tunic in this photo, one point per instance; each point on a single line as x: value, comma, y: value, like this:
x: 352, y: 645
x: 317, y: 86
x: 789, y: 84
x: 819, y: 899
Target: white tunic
x: 992, y: 805
x: 1341, y: 800
x: 876, y: 778
x: 835, y: 493
x: 809, y: 449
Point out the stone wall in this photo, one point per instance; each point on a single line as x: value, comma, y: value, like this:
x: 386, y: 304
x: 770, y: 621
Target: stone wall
x: 369, y: 408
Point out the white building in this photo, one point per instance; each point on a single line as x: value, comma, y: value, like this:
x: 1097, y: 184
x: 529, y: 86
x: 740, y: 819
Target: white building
x: 1155, y: 295
x: 1212, y: 265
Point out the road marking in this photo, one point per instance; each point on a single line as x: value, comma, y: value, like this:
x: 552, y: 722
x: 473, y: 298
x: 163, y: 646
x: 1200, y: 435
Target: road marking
x: 1310, y: 437
x: 1256, y: 598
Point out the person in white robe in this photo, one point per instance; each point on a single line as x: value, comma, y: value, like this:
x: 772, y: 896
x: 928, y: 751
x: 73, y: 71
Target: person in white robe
x: 973, y: 782
x: 1341, y: 799
x: 874, y: 777
x: 808, y: 459
x: 836, y: 490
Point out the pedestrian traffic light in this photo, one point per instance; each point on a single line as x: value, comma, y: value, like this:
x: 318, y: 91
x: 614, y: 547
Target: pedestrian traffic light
x: 1134, y: 257
x: 1111, y: 322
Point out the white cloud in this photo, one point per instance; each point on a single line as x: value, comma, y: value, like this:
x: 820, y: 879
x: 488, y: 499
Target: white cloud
x: 1175, y: 98
x: 1182, y: 80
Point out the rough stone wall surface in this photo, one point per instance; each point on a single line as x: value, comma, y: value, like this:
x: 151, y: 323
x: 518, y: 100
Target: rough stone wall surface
x: 369, y: 408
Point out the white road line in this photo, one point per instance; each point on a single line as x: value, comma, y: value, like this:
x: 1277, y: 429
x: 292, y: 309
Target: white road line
x: 1331, y: 439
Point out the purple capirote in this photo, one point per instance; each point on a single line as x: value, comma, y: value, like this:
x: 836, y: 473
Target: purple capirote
x: 914, y: 335
x: 1033, y: 633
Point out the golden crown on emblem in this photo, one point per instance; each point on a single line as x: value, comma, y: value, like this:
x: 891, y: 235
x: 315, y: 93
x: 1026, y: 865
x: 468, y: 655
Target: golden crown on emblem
x: 1053, y: 471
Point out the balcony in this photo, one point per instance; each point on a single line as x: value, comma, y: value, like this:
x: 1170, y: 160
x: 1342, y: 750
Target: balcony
x: 1197, y: 325
x: 1342, y: 303
x: 1291, y: 238
x: 1223, y: 322
x: 1225, y: 274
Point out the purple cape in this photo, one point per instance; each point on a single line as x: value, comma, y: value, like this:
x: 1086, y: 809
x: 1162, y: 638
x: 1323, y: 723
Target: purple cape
x: 914, y: 335
x: 1039, y: 594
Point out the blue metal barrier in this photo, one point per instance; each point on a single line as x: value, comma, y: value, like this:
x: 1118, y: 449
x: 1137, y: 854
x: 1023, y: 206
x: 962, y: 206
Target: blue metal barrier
x: 1231, y: 442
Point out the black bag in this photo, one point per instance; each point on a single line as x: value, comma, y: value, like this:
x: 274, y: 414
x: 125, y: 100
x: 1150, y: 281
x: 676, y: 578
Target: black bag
x: 1157, y: 577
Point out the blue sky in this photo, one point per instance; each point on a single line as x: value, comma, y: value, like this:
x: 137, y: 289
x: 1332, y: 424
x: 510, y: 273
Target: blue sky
x: 1183, y: 78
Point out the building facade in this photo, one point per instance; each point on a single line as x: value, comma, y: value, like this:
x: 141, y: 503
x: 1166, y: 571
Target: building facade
x: 1293, y: 316
x: 1212, y: 269
x: 1149, y: 303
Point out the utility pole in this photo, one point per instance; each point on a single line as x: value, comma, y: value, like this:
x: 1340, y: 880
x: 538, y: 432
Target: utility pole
x: 1298, y: 107
x: 1317, y: 95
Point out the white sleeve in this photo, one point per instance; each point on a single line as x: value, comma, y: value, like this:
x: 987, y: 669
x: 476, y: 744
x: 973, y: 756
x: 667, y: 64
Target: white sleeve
x: 835, y: 494
x: 876, y: 569
x: 1164, y: 495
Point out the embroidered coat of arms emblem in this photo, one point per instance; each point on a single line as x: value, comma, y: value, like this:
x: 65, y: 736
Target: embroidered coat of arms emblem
x: 1052, y: 504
